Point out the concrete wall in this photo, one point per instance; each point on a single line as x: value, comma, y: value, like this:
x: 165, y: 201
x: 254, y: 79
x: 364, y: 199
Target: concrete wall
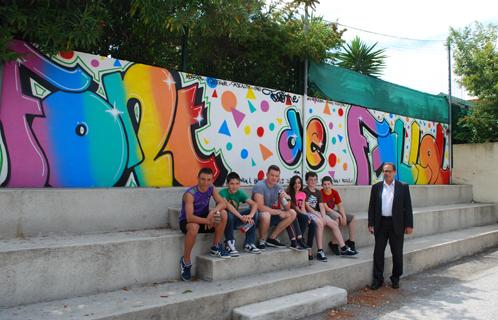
x: 477, y: 164
x: 83, y: 121
x: 32, y: 212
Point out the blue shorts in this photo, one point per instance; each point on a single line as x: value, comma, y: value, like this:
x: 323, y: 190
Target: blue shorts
x: 274, y: 220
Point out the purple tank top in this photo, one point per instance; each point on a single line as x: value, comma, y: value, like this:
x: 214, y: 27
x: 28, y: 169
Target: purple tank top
x: 201, y: 202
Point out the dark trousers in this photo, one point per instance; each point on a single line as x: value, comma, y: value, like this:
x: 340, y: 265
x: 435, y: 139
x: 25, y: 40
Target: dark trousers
x: 298, y: 228
x: 386, y: 233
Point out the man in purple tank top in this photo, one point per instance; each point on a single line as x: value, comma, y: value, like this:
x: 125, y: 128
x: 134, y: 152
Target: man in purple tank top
x: 195, y: 217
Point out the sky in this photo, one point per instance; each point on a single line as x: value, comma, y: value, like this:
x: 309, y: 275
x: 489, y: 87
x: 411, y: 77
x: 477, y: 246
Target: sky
x: 420, y: 65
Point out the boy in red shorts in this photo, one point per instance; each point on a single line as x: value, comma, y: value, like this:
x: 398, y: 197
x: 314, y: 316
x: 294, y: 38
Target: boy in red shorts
x: 332, y: 200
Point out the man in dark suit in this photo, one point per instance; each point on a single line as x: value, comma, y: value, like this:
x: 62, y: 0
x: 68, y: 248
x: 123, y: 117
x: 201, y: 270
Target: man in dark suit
x: 390, y: 216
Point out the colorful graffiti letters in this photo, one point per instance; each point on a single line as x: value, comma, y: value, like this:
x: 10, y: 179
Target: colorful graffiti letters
x: 316, y: 143
x: 419, y: 161
x: 290, y: 141
x: 80, y: 120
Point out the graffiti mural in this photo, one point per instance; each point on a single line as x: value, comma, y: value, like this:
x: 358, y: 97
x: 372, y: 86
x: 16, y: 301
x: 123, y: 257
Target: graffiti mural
x: 361, y: 140
x: 80, y: 120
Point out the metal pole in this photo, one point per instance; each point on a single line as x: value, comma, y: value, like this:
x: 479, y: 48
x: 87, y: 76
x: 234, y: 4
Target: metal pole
x: 450, y: 118
x: 184, y: 49
x: 305, y: 97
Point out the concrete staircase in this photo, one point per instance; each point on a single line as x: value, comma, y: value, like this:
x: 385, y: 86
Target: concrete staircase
x: 128, y: 270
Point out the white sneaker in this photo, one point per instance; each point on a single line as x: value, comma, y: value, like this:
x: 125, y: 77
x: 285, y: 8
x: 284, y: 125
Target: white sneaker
x: 251, y: 248
x: 231, y: 248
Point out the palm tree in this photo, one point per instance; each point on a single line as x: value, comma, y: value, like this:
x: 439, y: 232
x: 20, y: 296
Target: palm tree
x: 360, y: 57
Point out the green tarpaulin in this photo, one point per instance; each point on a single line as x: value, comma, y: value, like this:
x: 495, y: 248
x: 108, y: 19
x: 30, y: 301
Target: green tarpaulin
x: 343, y: 85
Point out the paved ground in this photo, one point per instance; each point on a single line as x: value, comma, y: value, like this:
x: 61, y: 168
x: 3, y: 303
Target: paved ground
x: 466, y: 289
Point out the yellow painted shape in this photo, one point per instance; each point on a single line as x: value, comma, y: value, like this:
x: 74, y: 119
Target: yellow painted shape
x: 155, y: 89
x: 415, y: 143
x: 250, y: 94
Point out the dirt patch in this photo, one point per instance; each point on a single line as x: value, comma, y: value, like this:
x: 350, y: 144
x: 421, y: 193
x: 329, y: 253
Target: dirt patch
x: 339, y: 314
x: 372, y: 298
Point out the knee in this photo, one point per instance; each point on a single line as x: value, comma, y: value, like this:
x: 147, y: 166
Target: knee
x: 293, y: 214
x: 192, y: 228
x: 264, y: 217
x: 224, y: 215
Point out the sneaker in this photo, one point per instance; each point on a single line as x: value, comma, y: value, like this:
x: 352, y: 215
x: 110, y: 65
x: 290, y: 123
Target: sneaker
x: 219, y: 251
x: 334, y: 248
x: 185, y: 270
x: 230, y: 247
x: 301, y: 243
x: 320, y: 256
x: 351, y: 245
x: 346, y: 251
x: 251, y: 248
x: 295, y: 246
x: 275, y: 243
x: 261, y: 245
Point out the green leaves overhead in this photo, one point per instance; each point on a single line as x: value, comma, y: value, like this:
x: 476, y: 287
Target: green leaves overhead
x: 476, y: 64
x: 360, y: 57
x: 250, y: 41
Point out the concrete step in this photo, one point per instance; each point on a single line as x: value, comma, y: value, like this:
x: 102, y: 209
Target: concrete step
x: 217, y: 299
x: 427, y: 220
x: 54, y: 267
x: 294, y: 306
x: 432, y: 220
x: 213, y: 269
x: 33, y: 212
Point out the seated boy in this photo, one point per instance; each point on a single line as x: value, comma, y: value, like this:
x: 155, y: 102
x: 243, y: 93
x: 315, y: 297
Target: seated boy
x: 196, y: 217
x: 331, y: 199
x: 274, y: 208
x: 314, y: 204
x: 238, y: 218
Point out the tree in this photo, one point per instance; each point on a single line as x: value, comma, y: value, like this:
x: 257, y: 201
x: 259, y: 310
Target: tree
x: 476, y: 65
x: 241, y: 40
x: 362, y: 58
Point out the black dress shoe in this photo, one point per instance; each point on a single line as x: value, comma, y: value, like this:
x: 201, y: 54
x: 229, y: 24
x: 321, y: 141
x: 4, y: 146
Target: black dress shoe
x: 395, y: 284
x: 375, y: 285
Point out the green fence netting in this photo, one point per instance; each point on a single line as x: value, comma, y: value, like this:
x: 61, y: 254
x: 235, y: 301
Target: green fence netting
x: 343, y: 85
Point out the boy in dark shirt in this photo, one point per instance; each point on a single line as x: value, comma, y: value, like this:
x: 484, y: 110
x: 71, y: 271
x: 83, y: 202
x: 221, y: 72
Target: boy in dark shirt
x: 315, y: 205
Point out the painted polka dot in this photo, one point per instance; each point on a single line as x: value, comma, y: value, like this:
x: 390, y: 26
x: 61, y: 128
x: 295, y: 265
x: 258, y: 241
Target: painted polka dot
x: 244, y: 153
x: 271, y: 126
x: 345, y: 166
x: 229, y: 146
x: 228, y: 101
x: 247, y: 130
x: 331, y: 125
x: 260, y: 132
x: 310, y: 110
x: 95, y: 63
x: 265, y: 106
x: 332, y: 159
x: 340, y: 112
x: 261, y: 175
x: 334, y: 140
x: 66, y: 54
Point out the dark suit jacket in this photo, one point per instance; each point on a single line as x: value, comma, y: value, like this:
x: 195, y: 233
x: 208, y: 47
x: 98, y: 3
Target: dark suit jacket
x: 402, y: 207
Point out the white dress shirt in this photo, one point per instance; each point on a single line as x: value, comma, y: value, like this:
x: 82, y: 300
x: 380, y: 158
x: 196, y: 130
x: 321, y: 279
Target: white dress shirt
x: 387, y: 199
